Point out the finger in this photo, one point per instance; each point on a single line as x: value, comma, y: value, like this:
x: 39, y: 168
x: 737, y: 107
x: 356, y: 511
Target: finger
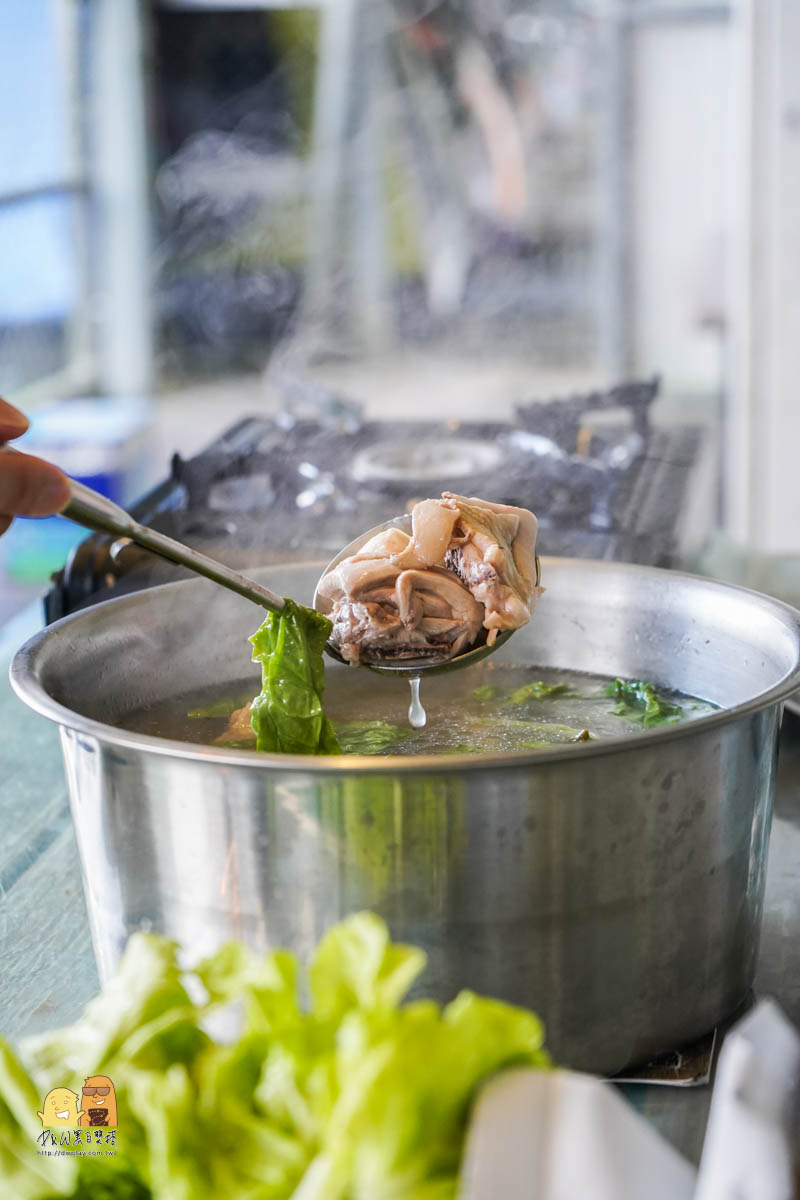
x: 31, y: 487
x: 4, y: 524
x: 12, y: 421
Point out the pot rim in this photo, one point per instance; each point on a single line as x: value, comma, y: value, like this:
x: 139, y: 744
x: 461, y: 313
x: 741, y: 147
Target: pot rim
x: 23, y: 674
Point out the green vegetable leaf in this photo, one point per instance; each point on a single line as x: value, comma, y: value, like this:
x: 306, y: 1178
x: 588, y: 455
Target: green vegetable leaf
x: 25, y: 1174
x: 369, y: 737
x: 249, y: 1151
x: 268, y: 984
x: 356, y: 965
x: 641, y: 702
x: 164, y: 1105
x: 486, y: 692
x: 539, y: 690
x: 101, y: 1180
x: 144, y: 1000
x: 398, y: 1124
x: 287, y: 714
x: 357, y: 1098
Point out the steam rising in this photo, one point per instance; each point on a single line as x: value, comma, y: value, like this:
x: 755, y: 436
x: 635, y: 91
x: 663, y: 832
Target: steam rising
x: 452, y: 205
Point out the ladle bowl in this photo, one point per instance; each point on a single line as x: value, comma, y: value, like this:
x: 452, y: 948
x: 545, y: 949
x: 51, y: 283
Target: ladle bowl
x: 97, y: 512
x: 407, y: 668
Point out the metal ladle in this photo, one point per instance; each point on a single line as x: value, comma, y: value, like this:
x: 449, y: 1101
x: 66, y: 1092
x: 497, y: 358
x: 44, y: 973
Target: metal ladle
x: 96, y: 512
x: 90, y: 509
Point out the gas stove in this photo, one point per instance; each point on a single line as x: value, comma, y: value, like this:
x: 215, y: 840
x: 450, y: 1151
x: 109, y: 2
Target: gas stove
x: 604, y: 481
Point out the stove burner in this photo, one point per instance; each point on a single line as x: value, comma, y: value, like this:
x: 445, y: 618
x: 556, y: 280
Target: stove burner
x: 241, y: 493
x: 564, y: 420
x: 431, y: 459
x: 607, y: 485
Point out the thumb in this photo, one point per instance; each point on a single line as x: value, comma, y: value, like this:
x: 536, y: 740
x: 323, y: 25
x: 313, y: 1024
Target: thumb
x: 12, y: 421
x: 31, y: 487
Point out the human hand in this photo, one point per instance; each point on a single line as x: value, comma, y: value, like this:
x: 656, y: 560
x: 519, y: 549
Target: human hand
x: 29, y: 487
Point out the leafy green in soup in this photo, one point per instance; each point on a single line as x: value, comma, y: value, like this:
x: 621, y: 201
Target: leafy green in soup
x: 639, y: 701
x: 287, y: 715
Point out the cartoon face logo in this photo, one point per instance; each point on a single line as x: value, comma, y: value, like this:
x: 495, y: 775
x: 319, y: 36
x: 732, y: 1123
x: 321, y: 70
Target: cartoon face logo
x: 99, y: 1102
x: 60, y: 1108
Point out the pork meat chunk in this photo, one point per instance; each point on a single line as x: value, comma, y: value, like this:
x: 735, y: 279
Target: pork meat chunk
x: 493, y: 552
x: 468, y: 565
x: 381, y: 610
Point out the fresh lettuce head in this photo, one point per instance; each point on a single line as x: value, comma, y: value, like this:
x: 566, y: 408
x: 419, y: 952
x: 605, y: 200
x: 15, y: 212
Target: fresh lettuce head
x: 355, y: 1097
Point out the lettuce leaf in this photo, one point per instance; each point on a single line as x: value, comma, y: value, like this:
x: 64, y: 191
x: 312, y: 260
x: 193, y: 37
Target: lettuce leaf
x: 287, y: 714
x: 370, y: 737
x: 356, y: 965
x: 356, y: 1097
x: 143, y: 1013
x: 267, y: 983
x: 639, y: 701
x: 26, y: 1175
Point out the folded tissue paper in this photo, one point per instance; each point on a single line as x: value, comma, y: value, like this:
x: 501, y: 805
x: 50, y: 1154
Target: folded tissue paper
x: 752, y: 1142
x: 560, y: 1135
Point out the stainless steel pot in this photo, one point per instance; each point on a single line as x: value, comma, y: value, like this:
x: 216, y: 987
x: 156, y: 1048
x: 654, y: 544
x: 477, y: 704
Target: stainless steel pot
x: 615, y: 887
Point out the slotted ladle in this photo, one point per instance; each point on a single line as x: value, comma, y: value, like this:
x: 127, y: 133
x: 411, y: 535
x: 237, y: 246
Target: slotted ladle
x: 96, y: 512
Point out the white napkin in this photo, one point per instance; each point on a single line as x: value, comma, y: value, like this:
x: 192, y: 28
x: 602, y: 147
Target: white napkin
x: 558, y: 1135
x: 755, y: 1112
x: 564, y: 1136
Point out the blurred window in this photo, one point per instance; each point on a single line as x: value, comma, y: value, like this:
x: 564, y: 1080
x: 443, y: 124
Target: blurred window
x: 43, y: 314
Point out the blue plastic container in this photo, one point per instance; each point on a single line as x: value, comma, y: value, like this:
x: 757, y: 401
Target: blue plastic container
x: 100, y: 442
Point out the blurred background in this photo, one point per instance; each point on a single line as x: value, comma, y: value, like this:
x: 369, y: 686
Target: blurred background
x: 364, y: 249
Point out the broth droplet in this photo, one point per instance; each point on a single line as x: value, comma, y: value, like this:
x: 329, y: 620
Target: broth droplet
x: 416, y: 713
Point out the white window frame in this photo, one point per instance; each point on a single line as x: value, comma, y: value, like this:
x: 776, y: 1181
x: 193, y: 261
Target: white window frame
x: 109, y: 330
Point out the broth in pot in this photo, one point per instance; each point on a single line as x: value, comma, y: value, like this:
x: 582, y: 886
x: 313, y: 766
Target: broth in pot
x: 492, y: 708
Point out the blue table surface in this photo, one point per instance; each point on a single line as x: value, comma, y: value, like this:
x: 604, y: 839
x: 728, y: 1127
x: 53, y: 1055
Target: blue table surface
x: 48, y: 970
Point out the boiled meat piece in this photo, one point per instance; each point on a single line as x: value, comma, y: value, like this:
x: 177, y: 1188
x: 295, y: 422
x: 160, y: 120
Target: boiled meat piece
x: 431, y: 530
x: 493, y: 551
x: 381, y: 610
x: 466, y: 565
x: 238, y: 729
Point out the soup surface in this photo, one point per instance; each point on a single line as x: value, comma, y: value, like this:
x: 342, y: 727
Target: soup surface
x: 489, y: 708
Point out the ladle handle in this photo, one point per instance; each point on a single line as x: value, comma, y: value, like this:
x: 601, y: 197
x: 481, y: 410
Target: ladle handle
x: 97, y: 512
